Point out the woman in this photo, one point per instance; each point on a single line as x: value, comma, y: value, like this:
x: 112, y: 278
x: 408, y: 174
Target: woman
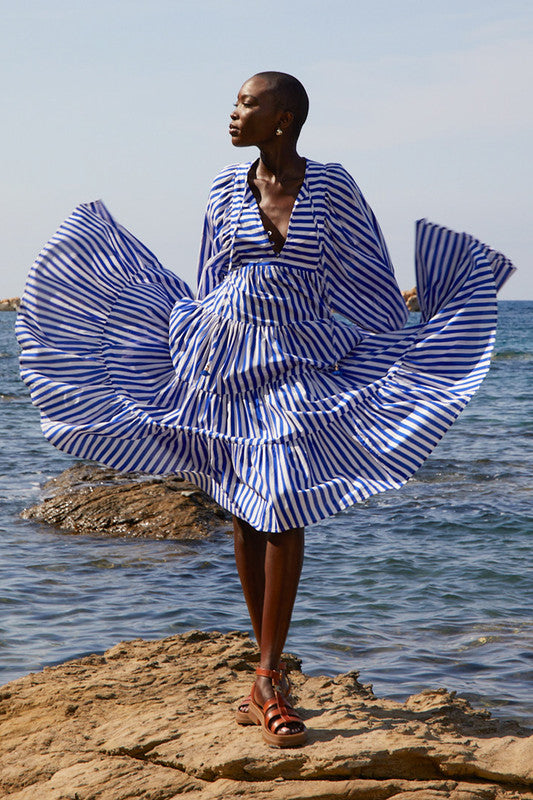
x: 256, y: 391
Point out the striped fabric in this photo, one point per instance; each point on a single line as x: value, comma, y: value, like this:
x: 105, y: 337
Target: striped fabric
x: 258, y: 391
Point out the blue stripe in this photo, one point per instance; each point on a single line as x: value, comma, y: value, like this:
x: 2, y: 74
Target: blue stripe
x: 255, y: 391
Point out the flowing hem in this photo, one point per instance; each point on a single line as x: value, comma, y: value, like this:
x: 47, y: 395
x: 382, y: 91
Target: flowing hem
x: 98, y: 307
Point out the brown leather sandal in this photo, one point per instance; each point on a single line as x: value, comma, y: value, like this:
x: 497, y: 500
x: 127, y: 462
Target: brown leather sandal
x: 243, y: 716
x: 276, y: 713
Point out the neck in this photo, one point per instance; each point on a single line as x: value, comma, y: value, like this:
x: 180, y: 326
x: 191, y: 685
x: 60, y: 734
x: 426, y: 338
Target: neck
x: 280, y: 162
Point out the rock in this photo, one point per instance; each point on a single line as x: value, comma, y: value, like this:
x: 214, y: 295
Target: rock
x: 10, y: 304
x: 155, y: 720
x: 411, y: 298
x: 95, y: 500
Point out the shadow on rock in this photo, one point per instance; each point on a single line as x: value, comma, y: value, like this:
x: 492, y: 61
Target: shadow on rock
x: 156, y: 719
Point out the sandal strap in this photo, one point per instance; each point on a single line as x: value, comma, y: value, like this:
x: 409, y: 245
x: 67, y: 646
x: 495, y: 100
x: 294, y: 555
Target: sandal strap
x: 285, y: 676
x: 268, y: 673
x: 278, y: 713
x: 274, y: 674
x: 280, y: 680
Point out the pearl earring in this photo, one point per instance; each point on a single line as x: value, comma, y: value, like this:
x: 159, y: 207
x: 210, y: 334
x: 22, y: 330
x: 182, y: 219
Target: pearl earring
x: 278, y: 131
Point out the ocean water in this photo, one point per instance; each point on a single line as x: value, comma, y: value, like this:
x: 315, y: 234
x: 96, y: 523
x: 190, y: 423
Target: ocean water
x: 424, y: 587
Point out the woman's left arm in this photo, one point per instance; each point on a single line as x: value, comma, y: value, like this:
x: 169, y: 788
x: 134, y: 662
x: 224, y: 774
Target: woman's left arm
x: 358, y: 271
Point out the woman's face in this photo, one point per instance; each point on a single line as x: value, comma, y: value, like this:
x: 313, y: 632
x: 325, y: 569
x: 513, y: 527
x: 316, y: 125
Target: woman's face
x: 256, y: 114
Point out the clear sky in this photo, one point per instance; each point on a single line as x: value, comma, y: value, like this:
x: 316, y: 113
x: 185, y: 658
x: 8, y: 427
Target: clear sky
x: 428, y: 105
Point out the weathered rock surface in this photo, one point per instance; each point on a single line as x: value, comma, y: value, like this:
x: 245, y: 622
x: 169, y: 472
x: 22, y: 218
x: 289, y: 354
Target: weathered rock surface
x: 10, y: 304
x: 155, y: 720
x: 95, y: 500
x: 411, y: 298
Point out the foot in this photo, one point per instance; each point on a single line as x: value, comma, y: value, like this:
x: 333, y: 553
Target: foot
x: 244, y: 705
x: 242, y: 715
x: 263, y: 691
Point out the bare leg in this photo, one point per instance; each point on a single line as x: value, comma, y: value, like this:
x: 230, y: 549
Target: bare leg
x: 250, y: 549
x: 269, y: 566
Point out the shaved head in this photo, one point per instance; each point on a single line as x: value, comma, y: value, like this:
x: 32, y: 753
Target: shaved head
x: 290, y: 95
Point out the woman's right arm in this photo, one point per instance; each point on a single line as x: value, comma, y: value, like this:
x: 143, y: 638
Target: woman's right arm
x: 215, y: 231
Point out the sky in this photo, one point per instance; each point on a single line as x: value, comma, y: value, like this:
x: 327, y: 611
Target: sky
x: 427, y: 104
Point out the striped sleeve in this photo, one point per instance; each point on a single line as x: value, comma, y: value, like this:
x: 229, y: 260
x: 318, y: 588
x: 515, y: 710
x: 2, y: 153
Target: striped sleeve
x: 359, y: 274
x: 216, y: 230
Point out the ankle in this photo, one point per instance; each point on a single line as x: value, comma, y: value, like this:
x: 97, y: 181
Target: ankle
x: 273, y: 674
x: 263, y: 689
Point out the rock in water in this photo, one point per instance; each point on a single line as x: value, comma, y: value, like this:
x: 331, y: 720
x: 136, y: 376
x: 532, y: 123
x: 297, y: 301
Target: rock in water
x: 10, y: 304
x: 411, y: 299
x: 155, y: 720
x: 95, y: 500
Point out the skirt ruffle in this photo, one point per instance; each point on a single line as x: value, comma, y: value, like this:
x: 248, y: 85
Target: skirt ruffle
x: 99, y: 324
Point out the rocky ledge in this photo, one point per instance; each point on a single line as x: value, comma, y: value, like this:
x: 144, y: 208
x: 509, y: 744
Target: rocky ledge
x: 95, y: 500
x: 155, y: 720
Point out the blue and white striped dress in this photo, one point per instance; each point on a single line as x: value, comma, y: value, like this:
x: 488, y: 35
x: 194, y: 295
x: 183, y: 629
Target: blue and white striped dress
x: 289, y: 388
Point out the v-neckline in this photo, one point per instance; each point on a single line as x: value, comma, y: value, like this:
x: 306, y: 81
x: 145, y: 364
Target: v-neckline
x: 258, y: 210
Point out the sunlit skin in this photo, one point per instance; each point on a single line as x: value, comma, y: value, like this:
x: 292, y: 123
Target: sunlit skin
x: 269, y: 567
x: 269, y: 564
x: 277, y: 176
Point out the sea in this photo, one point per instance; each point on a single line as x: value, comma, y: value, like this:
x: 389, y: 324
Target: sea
x: 425, y: 587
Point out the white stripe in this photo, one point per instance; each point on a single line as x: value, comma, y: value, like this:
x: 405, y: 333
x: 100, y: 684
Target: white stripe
x: 254, y: 391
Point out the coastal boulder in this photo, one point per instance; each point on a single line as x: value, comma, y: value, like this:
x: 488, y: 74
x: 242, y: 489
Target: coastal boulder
x: 411, y: 299
x: 92, y: 500
x: 10, y: 304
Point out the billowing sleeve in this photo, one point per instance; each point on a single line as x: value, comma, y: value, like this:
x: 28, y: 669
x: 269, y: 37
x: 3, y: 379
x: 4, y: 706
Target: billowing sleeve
x: 216, y: 235
x: 358, y: 273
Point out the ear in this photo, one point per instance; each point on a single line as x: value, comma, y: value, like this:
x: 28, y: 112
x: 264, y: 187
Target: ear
x: 285, y: 120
